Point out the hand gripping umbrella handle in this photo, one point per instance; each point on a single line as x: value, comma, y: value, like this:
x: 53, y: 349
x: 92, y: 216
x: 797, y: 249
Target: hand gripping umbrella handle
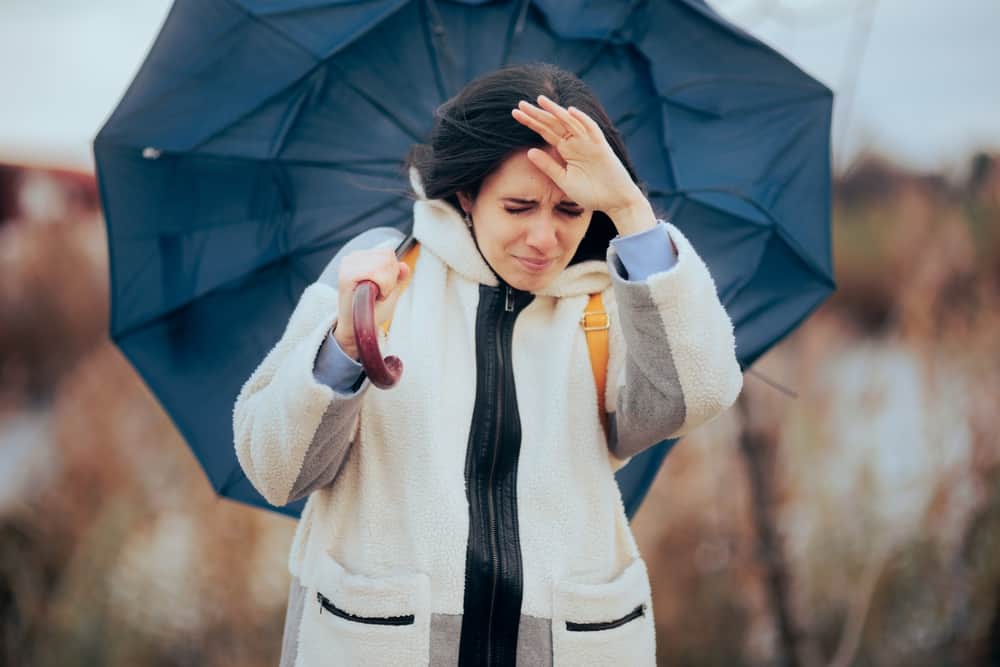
x: 384, y: 373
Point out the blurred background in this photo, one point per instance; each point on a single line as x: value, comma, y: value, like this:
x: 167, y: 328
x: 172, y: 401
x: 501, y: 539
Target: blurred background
x: 845, y: 512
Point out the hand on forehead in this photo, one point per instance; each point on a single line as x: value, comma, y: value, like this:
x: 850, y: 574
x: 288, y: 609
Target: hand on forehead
x: 520, y: 177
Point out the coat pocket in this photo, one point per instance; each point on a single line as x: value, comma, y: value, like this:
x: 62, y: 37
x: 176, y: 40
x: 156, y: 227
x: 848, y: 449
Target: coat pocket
x: 355, y: 619
x: 608, y: 623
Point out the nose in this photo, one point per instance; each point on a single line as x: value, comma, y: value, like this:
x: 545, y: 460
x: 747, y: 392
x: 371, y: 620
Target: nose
x: 541, y: 235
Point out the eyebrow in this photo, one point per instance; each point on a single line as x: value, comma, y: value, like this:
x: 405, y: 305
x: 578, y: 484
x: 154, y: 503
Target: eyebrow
x: 521, y: 200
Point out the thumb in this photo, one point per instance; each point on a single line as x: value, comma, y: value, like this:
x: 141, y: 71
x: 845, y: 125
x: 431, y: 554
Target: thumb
x: 404, y: 272
x: 385, y: 307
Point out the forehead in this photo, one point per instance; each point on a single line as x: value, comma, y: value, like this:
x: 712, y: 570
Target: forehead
x: 517, y: 176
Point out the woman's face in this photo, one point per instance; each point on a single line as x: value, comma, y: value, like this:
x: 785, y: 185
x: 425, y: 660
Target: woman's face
x: 526, y: 227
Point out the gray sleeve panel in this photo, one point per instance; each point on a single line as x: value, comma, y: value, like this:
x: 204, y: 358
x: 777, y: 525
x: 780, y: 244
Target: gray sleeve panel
x: 650, y: 404
x: 330, y: 445
x: 332, y: 441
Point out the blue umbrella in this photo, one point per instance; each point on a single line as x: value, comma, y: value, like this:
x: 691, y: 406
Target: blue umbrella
x: 259, y: 137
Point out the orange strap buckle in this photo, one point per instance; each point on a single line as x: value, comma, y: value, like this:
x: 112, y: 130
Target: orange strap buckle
x: 592, y: 324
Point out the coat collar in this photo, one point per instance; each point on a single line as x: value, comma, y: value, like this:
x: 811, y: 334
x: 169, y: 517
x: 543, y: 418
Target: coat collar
x: 441, y: 229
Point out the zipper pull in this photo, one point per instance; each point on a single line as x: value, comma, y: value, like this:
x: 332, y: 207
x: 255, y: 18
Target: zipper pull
x: 510, y: 300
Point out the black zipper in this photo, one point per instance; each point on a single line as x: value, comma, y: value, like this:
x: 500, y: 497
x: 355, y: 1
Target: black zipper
x: 326, y: 603
x: 493, y: 563
x: 606, y: 625
x: 508, y: 308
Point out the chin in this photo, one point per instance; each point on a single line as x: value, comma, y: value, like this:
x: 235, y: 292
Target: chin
x: 518, y: 277
x: 530, y: 283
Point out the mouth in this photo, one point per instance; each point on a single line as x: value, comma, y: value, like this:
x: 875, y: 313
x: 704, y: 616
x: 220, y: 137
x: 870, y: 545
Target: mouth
x: 534, y: 265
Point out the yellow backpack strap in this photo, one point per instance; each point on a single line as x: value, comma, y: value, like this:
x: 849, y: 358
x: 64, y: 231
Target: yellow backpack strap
x: 596, y: 322
x: 410, y: 259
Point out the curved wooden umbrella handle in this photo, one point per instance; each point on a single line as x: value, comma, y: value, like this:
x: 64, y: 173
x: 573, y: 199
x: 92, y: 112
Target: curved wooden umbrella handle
x: 384, y: 373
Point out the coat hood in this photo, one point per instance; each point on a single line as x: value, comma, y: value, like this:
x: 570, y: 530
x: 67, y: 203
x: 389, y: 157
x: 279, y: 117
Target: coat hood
x: 441, y: 229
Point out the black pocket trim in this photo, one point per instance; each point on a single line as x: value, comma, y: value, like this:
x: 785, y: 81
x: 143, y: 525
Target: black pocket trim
x: 606, y: 625
x: 325, y: 603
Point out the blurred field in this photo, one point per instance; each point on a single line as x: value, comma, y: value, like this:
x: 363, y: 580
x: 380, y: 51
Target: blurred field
x: 875, y: 487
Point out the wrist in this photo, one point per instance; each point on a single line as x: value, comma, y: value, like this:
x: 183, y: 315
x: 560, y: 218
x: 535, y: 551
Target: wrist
x: 633, y: 216
x: 346, y: 345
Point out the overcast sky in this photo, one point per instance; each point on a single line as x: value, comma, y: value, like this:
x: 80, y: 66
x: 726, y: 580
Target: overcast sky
x: 917, y: 79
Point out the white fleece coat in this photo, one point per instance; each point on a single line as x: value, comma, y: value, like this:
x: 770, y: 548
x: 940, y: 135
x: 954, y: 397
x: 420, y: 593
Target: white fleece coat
x: 385, y: 527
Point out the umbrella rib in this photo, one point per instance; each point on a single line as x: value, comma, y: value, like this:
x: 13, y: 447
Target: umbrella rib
x: 167, y: 91
x: 389, y: 203
x: 350, y: 167
x: 289, y: 119
x: 236, y: 475
x: 317, y: 63
x: 796, y: 136
x: 323, y: 245
x: 824, y: 276
x: 281, y: 90
x: 717, y: 190
x: 731, y: 79
x: 316, y: 209
x: 701, y: 7
x: 226, y: 222
x: 791, y: 393
x: 412, y: 133
x: 125, y: 291
x: 434, y: 38
x: 777, y: 232
x: 270, y: 26
x: 775, y: 224
x: 138, y: 326
x: 514, y: 29
x: 356, y: 35
x: 639, y: 120
x: 345, y: 165
x: 741, y: 79
x: 761, y: 307
x: 606, y: 40
x: 746, y: 109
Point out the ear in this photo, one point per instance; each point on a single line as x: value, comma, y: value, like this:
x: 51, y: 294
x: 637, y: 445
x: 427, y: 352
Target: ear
x: 464, y: 201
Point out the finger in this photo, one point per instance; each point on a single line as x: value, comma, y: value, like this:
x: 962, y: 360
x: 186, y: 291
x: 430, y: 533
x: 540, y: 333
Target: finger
x: 568, y: 120
x: 555, y: 124
x: 542, y: 116
x: 543, y: 129
x: 389, y: 276
x: 547, y: 164
x: 388, y: 304
x: 391, y: 299
x: 382, y: 269
x: 594, y: 129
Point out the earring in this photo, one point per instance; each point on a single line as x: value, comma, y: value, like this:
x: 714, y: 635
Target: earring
x: 468, y: 220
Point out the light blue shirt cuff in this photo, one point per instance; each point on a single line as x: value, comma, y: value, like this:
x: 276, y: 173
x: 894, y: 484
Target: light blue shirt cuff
x: 645, y: 253
x: 334, y: 368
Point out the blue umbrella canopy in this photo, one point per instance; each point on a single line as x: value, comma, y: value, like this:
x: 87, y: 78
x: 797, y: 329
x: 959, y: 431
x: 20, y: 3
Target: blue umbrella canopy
x: 258, y: 137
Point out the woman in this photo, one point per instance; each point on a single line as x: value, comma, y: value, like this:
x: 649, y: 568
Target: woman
x: 470, y: 515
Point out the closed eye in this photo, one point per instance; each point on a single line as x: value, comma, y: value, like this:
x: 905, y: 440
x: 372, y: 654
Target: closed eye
x: 518, y: 211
